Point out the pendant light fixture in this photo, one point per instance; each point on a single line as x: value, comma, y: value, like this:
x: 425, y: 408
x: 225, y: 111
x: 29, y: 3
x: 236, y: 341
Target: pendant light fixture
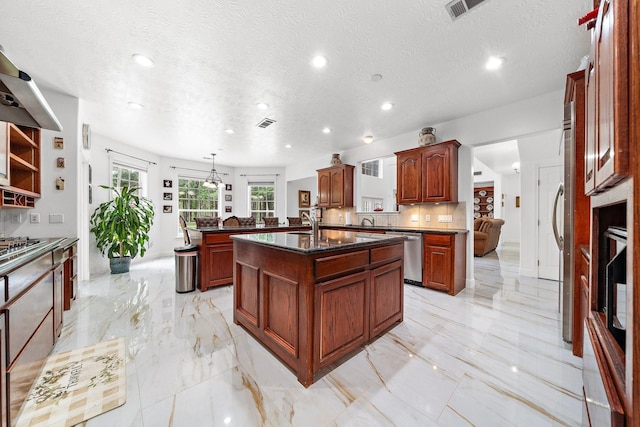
x: 213, y: 180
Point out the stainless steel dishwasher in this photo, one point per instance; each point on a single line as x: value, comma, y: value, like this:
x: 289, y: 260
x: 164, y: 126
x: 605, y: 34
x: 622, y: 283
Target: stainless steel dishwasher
x: 412, y: 256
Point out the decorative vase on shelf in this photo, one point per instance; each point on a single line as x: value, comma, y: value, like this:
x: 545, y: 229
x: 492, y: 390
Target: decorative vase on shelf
x: 427, y: 136
x: 335, y: 159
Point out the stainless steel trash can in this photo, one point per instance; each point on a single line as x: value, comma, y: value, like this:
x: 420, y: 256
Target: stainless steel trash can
x: 186, y: 268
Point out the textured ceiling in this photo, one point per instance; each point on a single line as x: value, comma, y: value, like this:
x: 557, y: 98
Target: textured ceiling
x: 215, y: 60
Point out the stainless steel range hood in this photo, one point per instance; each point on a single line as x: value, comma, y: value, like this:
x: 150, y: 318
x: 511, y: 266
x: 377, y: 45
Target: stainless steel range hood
x: 21, y: 102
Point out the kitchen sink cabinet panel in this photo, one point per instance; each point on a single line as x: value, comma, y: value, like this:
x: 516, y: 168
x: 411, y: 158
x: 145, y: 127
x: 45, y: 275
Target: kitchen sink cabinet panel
x: 445, y: 261
x: 428, y: 174
x: 335, y: 186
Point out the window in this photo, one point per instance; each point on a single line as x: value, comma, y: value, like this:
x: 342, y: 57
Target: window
x: 372, y: 168
x: 128, y: 176
x: 194, y: 199
x: 262, y: 200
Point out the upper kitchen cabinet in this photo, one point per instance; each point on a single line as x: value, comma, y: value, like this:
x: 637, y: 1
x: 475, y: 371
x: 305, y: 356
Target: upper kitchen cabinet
x: 607, y: 159
x: 20, y: 166
x: 428, y: 174
x: 335, y: 186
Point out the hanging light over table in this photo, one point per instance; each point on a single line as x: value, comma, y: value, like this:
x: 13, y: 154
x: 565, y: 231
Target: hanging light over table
x: 213, y: 180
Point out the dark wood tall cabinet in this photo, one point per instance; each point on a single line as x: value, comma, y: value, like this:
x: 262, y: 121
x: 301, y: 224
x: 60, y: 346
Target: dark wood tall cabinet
x: 428, y: 174
x: 576, y: 231
x: 611, y: 349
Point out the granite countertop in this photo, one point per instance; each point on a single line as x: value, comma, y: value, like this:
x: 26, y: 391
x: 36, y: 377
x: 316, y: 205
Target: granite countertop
x: 396, y: 228
x: 328, y: 240
x: 260, y: 228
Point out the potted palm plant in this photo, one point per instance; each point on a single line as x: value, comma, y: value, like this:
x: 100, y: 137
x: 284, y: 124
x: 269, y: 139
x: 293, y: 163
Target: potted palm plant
x: 121, y: 226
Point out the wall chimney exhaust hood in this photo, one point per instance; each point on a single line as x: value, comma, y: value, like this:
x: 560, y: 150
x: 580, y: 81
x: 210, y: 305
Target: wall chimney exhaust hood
x: 21, y: 102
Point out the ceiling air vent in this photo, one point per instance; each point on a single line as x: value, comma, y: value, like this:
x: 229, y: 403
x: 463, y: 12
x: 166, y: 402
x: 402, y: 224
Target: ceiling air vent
x: 476, y: 173
x: 457, y: 8
x: 265, y: 123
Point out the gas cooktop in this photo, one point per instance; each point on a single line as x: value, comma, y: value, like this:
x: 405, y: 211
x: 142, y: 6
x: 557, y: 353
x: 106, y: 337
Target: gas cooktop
x: 13, y: 246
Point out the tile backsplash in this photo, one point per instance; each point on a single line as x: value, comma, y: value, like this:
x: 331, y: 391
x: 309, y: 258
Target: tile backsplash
x: 430, y: 215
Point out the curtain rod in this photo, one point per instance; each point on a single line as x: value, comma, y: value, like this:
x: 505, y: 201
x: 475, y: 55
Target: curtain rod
x: 196, y: 170
x: 260, y: 174
x: 108, y: 150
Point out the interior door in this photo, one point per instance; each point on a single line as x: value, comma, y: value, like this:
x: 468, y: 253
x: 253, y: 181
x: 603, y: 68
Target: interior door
x: 549, y: 178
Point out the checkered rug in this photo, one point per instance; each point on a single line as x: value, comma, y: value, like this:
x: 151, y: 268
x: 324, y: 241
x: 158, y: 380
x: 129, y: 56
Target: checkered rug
x: 77, y: 385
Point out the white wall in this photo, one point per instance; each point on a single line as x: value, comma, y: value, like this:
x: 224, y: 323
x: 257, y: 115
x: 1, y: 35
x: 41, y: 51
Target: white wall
x: 306, y: 184
x: 535, y: 151
x: 510, y: 232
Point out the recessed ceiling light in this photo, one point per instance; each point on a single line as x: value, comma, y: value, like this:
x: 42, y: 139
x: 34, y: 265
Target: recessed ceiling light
x: 326, y: 130
x: 135, y: 105
x: 287, y: 146
x: 494, y: 63
x: 387, y: 106
x: 376, y: 77
x: 229, y: 131
x: 143, y: 60
x: 319, y: 61
x: 368, y: 139
x: 262, y: 106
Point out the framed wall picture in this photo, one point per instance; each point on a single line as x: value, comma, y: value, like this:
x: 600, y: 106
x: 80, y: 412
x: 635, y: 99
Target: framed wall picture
x: 167, y: 183
x: 90, y: 175
x: 301, y: 211
x: 227, y: 187
x: 227, y: 209
x: 60, y: 162
x: 227, y: 197
x: 58, y: 143
x: 167, y: 196
x: 304, y: 198
x: 167, y: 209
x: 90, y: 195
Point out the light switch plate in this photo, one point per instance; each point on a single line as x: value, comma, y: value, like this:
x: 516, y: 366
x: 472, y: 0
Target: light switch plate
x: 56, y: 218
x: 445, y: 218
x: 34, y: 218
x: 427, y: 218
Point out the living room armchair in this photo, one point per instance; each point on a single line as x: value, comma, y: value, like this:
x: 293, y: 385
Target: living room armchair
x: 486, y: 234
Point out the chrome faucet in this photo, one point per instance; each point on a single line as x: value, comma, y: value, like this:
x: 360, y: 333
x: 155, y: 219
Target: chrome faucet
x: 314, y: 224
x: 371, y: 221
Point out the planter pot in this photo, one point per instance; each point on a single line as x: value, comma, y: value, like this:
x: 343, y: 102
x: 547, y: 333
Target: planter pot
x: 120, y: 265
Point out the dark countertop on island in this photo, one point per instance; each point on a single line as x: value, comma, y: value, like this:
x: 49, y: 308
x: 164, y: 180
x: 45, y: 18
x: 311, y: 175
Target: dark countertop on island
x: 395, y: 228
x: 328, y: 240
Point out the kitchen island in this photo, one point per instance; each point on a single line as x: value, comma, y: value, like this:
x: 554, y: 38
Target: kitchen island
x: 315, y: 300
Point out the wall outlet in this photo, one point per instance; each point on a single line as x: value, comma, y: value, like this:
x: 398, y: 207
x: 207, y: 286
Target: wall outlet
x: 414, y: 218
x: 427, y: 218
x: 56, y: 218
x: 445, y: 218
x: 34, y: 218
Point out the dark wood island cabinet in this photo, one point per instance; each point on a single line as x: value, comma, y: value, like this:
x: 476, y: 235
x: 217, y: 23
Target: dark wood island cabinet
x: 314, y: 301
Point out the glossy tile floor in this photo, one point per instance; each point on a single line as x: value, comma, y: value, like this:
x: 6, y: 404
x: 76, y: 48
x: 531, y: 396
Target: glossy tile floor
x: 491, y: 356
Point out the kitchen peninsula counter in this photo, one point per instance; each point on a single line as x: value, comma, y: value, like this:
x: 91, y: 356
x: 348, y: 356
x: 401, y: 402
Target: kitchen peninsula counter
x: 215, y: 251
x: 315, y: 301
x: 394, y: 228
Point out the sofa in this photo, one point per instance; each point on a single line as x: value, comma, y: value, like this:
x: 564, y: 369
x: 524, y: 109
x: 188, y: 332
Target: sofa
x: 486, y: 234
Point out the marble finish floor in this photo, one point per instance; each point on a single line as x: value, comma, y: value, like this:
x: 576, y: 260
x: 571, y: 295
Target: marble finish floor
x: 491, y: 356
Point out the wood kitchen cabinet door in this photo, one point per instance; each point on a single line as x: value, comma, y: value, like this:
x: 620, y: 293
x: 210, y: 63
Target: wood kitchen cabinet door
x: 337, y: 187
x: 440, y: 173
x: 324, y: 188
x: 409, y: 172
x: 438, y: 258
x: 611, y: 50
